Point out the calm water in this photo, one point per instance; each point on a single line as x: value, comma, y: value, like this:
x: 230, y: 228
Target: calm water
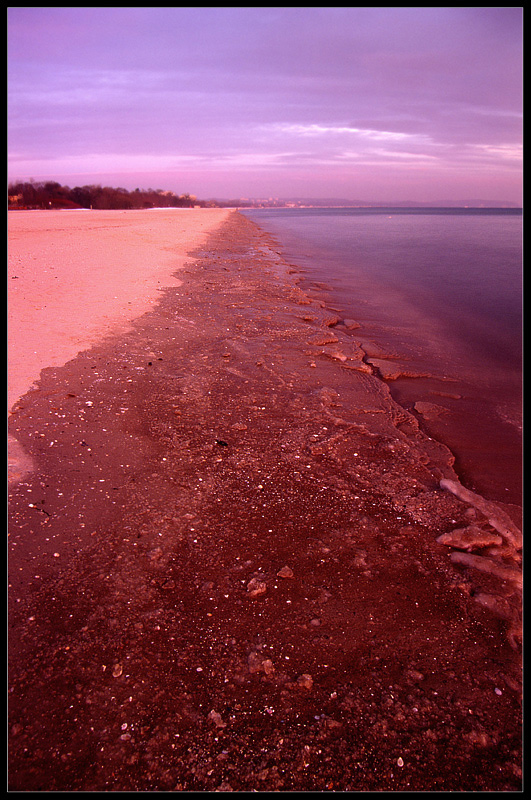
x: 440, y: 290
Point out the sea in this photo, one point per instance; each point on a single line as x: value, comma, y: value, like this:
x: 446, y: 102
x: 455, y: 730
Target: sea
x: 437, y: 292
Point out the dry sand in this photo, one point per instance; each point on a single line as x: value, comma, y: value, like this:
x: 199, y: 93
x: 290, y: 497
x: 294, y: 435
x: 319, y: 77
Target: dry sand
x: 236, y: 564
x: 75, y: 277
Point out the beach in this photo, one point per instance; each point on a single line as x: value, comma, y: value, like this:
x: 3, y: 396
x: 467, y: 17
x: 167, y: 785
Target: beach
x: 76, y: 276
x: 235, y: 562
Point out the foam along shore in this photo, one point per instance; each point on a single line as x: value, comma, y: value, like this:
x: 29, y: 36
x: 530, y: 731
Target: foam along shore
x: 227, y: 560
x: 74, y: 278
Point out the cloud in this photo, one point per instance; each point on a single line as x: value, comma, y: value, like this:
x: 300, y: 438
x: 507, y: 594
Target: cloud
x: 315, y: 129
x: 250, y: 89
x: 505, y: 152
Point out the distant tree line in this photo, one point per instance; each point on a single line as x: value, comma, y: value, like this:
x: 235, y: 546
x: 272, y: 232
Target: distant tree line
x: 50, y: 194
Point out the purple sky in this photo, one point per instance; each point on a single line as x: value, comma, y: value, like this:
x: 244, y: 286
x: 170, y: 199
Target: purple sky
x: 362, y: 103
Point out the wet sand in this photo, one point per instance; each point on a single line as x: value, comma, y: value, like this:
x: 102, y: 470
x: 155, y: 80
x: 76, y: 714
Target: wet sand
x: 238, y: 564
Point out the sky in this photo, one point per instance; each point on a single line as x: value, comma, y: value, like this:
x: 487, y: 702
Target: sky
x: 376, y: 104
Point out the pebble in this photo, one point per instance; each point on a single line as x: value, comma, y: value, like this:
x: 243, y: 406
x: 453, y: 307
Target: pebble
x: 414, y: 675
x: 305, y: 681
x: 478, y: 738
x: 268, y: 666
x: 254, y: 661
x: 285, y: 572
x: 214, y: 717
x: 256, y: 587
x: 351, y: 324
x: 336, y: 355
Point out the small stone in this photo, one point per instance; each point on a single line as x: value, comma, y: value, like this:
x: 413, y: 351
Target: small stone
x: 155, y: 554
x: 414, y: 675
x: 117, y: 670
x: 351, y: 324
x: 360, y: 559
x: 254, y: 660
x: 337, y: 355
x: 257, y: 663
x: 268, y: 666
x: 332, y: 724
x: 285, y: 572
x: 214, y: 717
x: 478, y: 738
x: 256, y: 587
x: 400, y: 761
x: 305, y: 681
x: 324, y: 594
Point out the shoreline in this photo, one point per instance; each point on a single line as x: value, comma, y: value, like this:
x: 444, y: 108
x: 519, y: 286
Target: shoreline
x: 462, y: 397
x: 230, y: 468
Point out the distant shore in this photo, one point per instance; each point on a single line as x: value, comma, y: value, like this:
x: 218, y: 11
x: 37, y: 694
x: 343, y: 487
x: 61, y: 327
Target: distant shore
x: 51, y: 195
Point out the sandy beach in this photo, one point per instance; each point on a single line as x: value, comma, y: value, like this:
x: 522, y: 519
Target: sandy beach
x: 76, y: 276
x: 235, y: 563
